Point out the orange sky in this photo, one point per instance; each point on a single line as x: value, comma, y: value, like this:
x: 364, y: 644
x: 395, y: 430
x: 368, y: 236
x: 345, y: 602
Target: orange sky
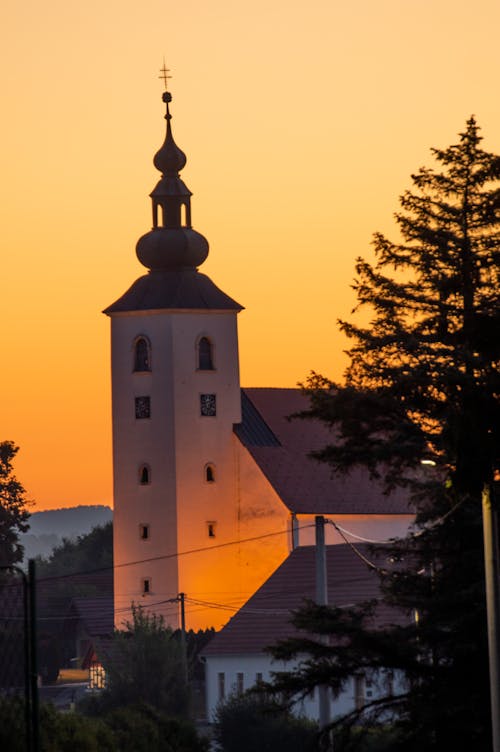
x: 302, y: 123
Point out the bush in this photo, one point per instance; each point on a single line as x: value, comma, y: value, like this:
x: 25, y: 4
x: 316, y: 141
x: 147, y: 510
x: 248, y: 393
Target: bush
x: 12, y: 724
x: 142, y: 728
x: 250, y: 722
x: 138, y: 728
x: 145, y: 664
x: 72, y: 732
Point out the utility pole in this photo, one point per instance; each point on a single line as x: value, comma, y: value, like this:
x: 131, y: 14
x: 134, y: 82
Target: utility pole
x: 322, y: 600
x: 181, y: 598
x: 492, y: 574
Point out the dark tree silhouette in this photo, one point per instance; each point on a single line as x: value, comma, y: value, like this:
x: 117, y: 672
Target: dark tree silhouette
x: 423, y: 385
x: 13, y: 507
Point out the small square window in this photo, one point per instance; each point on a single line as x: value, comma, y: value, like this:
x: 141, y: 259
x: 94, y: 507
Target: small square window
x: 146, y: 586
x: 144, y: 532
x: 142, y: 407
x: 211, y: 529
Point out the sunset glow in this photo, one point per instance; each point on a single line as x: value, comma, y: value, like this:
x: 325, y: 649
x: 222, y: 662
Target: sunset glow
x: 302, y: 124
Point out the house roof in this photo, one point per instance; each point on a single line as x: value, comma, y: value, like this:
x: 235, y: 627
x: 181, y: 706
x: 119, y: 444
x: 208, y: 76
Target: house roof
x: 96, y: 613
x: 265, y: 618
x: 280, y: 447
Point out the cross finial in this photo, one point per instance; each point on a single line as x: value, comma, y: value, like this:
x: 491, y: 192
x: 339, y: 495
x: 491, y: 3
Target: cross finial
x: 164, y: 75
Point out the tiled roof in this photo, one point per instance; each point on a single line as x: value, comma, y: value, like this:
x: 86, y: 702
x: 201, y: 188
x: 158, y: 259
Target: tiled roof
x: 265, y: 618
x: 96, y: 613
x: 280, y: 447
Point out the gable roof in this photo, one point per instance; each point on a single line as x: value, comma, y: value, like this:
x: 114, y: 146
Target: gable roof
x: 265, y: 617
x: 96, y: 613
x: 280, y: 447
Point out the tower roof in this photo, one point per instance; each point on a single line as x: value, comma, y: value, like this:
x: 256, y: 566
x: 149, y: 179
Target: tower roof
x: 172, y: 250
x: 176, y: 289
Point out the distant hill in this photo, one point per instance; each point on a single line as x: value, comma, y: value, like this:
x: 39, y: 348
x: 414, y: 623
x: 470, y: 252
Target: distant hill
x: 47, y: 529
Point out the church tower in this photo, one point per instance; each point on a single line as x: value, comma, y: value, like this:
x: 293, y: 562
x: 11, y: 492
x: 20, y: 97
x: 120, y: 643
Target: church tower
x: 176, y: 396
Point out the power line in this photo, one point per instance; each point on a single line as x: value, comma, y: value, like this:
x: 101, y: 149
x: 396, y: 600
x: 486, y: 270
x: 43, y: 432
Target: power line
x: 170, y: 556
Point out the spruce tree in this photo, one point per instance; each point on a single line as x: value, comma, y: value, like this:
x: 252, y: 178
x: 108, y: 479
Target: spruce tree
x: 422, y: 385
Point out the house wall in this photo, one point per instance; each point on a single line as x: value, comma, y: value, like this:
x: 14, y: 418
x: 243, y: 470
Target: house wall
x: 231, y: 667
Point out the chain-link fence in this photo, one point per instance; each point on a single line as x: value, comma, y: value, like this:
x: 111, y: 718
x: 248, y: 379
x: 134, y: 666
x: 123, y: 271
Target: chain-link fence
x: 18, y: 704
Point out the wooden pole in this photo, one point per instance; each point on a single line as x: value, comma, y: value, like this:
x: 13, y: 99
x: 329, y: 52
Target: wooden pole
x: 492, y: 575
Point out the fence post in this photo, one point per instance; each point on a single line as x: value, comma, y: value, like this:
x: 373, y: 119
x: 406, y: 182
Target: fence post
x: 35, y: 726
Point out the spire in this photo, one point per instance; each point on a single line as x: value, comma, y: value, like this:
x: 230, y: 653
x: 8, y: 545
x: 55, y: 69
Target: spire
x: 169, y: 158
x: 172, y: 243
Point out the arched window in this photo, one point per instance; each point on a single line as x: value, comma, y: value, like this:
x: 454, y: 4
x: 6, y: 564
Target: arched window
x: 210, y: 473
x: 142, y: 359
x: 205, y: 355
x: 144, y: 475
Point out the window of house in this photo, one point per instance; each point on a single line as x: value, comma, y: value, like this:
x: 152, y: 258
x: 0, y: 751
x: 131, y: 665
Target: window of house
x: 97, y: 676
x: 142, y: 407
x: 142, y: 356
x: 146, y: 585
x: 144, y: 532
x: 210, y: 473
x: 258, y: 677
x: 239, y: 683
x: 205, y: 355
x: 144, y: 475
x: 389, y: 679
x: 211, y: 529
x: 359, y: 691
x: 221, y: 685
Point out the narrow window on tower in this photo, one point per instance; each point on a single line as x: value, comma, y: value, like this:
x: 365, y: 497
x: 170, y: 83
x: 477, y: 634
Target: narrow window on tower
x: 142, y: 407
x: 239, y: 683
x: 142, y: 355
x: 146, y: 585
x: 205, y: 355
x: 210, y: 473
x: 144, y: 532
x: 211, y: 529
x: 183, y: 215
x: 144, y: 475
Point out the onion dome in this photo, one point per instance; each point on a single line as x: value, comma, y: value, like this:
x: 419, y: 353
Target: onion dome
x: 172, y: 244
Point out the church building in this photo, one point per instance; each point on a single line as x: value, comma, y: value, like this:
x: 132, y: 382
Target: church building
x: 213, y: 486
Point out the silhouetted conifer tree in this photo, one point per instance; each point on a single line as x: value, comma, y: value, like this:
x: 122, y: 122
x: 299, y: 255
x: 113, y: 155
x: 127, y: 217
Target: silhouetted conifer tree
x: 422, y: 384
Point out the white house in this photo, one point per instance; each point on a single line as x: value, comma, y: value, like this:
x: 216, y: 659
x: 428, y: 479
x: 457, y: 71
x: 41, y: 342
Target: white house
x: 236, y: 659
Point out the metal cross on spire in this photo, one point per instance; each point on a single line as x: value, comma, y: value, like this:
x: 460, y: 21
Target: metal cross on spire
x: 164, y: 75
